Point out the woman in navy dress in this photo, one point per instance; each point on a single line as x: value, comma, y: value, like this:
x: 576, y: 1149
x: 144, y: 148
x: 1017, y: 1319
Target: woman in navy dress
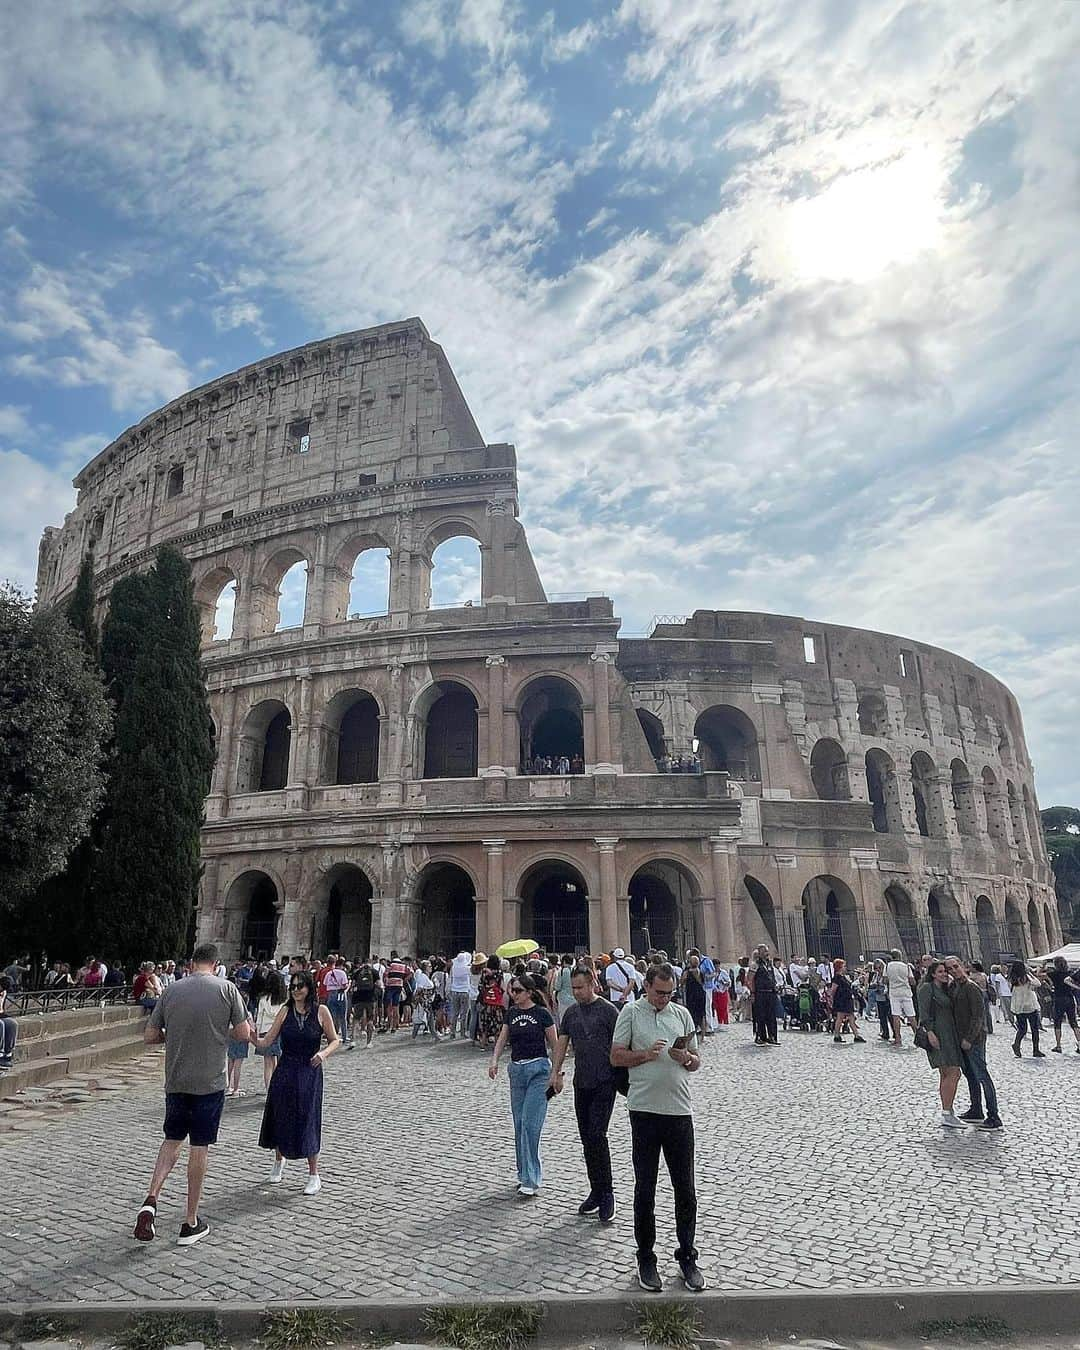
x: 292, y: 1118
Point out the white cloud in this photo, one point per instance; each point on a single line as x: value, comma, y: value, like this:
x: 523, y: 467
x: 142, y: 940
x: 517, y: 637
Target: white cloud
x: 34, y: 496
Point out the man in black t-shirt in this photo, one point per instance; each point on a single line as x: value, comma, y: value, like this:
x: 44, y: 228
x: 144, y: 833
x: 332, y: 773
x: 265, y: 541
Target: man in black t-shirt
x: 365, y: 989
x: 1064, y: 1008
x: 588, y: 1025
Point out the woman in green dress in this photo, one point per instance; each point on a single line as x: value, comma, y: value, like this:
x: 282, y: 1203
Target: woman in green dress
x: 936, y: 1016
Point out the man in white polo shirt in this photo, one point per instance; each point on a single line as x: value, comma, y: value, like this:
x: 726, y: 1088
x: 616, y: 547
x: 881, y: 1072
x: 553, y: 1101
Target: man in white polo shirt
x: 901, y: 992
x: 655, y: 1039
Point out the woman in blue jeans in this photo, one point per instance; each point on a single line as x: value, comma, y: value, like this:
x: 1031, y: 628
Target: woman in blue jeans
x: 530, y: 1029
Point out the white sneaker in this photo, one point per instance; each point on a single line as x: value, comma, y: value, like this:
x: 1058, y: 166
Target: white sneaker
x: 948, y: 1118
x: 277, y: 1172
x: 526, y: 1190
x: 314, y: 1185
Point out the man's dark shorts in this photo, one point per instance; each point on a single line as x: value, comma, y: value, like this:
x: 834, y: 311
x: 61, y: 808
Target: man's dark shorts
x: 392, y: 997
x: 188, y: 1116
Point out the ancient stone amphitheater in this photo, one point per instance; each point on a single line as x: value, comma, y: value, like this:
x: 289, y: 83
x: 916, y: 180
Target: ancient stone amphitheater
x: 375, y: 782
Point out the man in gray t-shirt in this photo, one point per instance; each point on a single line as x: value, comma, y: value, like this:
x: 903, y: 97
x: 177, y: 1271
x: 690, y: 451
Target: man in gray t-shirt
x: 195, y: 1017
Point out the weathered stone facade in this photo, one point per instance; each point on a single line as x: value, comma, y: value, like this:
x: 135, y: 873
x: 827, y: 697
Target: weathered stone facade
x: 857, y: 789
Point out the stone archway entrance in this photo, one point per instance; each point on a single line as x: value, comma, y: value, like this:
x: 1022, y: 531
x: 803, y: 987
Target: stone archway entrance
x: 831, y: 919
x: 662, y: 909
x: 555, y: 909
x: 344, y: 925
x: 256, y: 897
x: 447, y: 918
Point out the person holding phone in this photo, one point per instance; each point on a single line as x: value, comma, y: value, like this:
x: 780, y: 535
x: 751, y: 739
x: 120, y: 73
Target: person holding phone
x: 655, y: 1039
x: 530, y: 1029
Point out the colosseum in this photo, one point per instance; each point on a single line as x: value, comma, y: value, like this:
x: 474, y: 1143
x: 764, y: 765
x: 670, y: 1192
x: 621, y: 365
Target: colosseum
x: 382, y: 780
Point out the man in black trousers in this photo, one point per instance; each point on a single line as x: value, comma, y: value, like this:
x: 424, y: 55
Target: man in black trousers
x: 588, y: 1026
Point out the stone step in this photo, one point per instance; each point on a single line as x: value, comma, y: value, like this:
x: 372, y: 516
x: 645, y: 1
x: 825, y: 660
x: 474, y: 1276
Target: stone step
x: 39, y: 1026
x: 48, y: 1068
x: 62, y: 1044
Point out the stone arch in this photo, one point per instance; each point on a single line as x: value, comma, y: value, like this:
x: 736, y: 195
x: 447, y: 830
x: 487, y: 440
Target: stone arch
x: 447, y: 590
x: 342, y: 919
x: 728, y: 742
x: 349, y: 738
x: 763, y: 904
x: 884, y: 790
x: 1016, y: 816
x: 995, y: 819
x: 555, y: 905
x: 831, y: 918
x: 550, y: 720
x: 446, y: 720
x: 215, y: 599
x: 358, y: 583
x: 446, y: 902
x: 1031, y: 818
x: 265, y: 747
x: 873, y: 714
x: 653, y: 730
x: 254, y: 897
x: 1049, y: 927
x: 829, y: 771
x: 925, y: 790
x: 1038, y: 940
x: 903, y: 921
x: 963, y: 798
x: 986, y: 924
x: 662, y: 894
x: 949, y: 933
x: 1015, y: 933
x: 271, y: 606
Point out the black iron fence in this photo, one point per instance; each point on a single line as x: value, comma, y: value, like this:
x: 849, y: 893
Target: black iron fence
x: 858, y: 938
x: 30, y: 1001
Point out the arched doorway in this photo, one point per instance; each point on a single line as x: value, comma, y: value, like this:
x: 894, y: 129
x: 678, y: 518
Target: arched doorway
x: 763, y: 904
x: 447, y: 919
x: 354, y: 739
x: 831, y: 919
x: 884, y: 793
x: 265, y: 743
x: 873, y: 714
x: 255, y: 896
x: 949, y: 935
x: 963, y: 798
x: 662, y: 895
x: 986, y: 923
x: 828, y: 771
x: 727, y: 742
x: 556, y: 907
x: 1038, y: 940
x: 346, y: 921
x: 902, y: 914
x: 924, y: 789
x: 450, y: 732
x: 654, y: 733
x: 1014, y: 930
x: 550, y: 722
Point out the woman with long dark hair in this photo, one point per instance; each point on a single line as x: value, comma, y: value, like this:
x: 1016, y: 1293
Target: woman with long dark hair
x: 530, y: 1029
x: 1025, y: 1008
x: 943, y: 1051
x: 491, y: 1000
x: 273, y: 994
x: 292, y: 1118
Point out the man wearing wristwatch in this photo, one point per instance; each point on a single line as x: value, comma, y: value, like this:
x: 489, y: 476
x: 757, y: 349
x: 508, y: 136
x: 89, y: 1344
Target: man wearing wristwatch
x: 655, y: 1039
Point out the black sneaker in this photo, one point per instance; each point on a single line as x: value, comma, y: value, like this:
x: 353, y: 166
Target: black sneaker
x: 1056, y: 1049
x: 648, y: 1276
x: 971, y: 1114
x: 190, y: 1233
x: 990, y: 1123
x: 838, y: 1039
x: 144, y: 1221
x: 590, y: 1204
x: 607, y: 1207
x: 860, y: 1040
x: 1016, y: 1050
x: 691, y: 1276
x: 1037, y: 1054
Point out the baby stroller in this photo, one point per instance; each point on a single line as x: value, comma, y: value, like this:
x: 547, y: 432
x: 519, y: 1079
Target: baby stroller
x: 808, y: 1015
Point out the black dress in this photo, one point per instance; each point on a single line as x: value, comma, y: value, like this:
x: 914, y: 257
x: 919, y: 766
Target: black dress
x: 292, y: 1117
x: 843, y: 1001
x: 695, y: 999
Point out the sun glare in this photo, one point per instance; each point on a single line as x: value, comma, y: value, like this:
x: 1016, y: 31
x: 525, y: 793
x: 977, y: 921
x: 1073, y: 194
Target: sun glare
x: 865, y: 222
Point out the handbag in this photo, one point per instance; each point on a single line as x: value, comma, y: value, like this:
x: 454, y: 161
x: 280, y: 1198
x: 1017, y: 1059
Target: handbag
x: 922, y: 1038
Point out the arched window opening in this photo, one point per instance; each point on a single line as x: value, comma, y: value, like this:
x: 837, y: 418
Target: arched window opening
x: 949, y: 933
x: 995, y: 819
x: 662, y: 909
x: 963, y: 798
x: 1014, y: 930
x: 369, y: 584
x: 1031, y: 819
x: 990, y: 944
x: 902, y: 914
x: 1016, y: 815
x: 1038, y: 940
x: 550, y: 723
x: 1049, y: 930
x: 292, y: 597
x: 224, y: 609
x: 828, y: 771
x: 346, y: 926
x: 766, y: 909
x: 831, y: 919
x: 358, y: 743
x: 215, y: 599
x: 265, y: 743
x: 447, y: 920
x: 555, y: 909
x: 450, y: 733
x: 456, y: 573
x: 654, y: 734
x: 727, y: 743
x: 255, y: 896
x: 873, y: 715
x: 925, y: 790
x: 884, y: 793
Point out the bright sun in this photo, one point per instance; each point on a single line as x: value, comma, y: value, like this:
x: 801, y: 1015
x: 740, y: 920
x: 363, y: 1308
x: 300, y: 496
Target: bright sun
x: 864, y: 222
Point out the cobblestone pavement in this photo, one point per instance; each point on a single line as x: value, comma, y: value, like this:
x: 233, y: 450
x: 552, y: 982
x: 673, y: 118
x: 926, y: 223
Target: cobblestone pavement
x: 851, y: 1179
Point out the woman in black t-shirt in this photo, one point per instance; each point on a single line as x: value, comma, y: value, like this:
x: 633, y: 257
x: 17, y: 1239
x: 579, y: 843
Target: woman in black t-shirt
x: 1064, y: 1009
x: 843, y: 1003
x: 530, y: 1029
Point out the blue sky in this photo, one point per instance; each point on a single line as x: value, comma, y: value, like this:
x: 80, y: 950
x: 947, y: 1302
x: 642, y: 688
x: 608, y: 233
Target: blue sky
x: 778, y: 299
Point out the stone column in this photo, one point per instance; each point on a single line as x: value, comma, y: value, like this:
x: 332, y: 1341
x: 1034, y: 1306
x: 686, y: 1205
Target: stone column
x: 217, y: 804
x: 721, y: 849
x: 905, y: 796
x: 601, y: 661
x: 495, y: 853
x: 243, y: 606
x: 609, y: 897
x: 209, y: 918
x: 623, y: 912
x: 392, y: 747
x: 300, y: 749
x: 494, y: 581
x: 511, y: 917
x: 316, y: 598
x: 496, y: 766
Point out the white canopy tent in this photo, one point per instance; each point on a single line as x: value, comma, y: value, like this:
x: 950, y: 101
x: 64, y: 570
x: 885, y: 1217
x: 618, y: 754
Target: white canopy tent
x: 1071, y: 953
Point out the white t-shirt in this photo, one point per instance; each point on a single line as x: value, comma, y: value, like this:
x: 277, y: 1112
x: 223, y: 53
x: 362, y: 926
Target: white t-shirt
x: 1001, y: 985
x: 622, y: 981
x: 459, y: 974
x: 898, y: 974
x: 797, y: 974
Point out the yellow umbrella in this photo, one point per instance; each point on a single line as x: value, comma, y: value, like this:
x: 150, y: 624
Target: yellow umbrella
x: 519, y: 947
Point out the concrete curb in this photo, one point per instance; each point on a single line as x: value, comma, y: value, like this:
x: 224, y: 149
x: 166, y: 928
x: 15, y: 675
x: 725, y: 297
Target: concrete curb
x: 896, y: 1313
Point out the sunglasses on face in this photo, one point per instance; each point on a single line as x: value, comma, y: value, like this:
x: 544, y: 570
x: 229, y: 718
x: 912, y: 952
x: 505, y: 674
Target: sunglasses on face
x: 297, y: 986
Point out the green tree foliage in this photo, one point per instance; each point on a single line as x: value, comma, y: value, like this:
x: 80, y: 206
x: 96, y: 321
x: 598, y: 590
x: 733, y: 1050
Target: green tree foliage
x: 1061, y: 825
x: 147, y: 873
x: 54, y: 721
x: 80, y: 608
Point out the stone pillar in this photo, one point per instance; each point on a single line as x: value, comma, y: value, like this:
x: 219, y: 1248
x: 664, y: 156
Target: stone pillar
x: 496, y: 762
x: 243, y: 606
x: 609, y: 898
x: 905, y: 797
x: 705, y: 932
x: 221, y: 783
x: 495, y: 853
x: 601, y: 661
x: 209, y: 917
x: 623, y: 911
x: 721, y: 849
x: 300, y: 749
x: 495, y: 583
x: 511, y: 917
x: 316, y: 597
x: 392, y: 746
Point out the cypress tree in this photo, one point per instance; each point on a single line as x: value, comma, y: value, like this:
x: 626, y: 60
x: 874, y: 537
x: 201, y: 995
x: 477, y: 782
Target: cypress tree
x: 147, y: 874
x: 80, y: 608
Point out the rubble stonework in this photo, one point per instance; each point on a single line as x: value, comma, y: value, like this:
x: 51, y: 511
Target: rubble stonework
x: 851, y: 790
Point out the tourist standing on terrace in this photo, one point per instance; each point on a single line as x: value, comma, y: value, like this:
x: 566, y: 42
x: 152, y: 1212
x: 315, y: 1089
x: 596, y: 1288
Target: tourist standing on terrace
x: 195, y: 1018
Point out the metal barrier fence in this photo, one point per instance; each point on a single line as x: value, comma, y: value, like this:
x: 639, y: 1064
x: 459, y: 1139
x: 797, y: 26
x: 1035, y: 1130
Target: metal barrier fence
x: 31, y: 1001
x: 858, y: 938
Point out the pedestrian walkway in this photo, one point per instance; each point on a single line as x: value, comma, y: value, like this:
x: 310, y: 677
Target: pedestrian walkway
x: 852, y: 1183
